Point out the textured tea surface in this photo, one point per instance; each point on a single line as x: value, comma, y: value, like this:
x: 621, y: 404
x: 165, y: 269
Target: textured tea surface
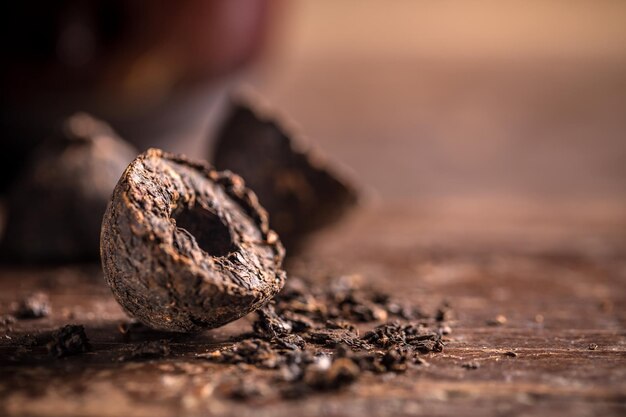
x: 55, y: 208
x: 299, y: 189
x: 534, y: 310
x: 185, y: 247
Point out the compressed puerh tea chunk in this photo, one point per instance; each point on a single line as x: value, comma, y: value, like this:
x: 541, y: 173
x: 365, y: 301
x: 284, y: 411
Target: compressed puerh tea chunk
x: 55, y: 208
x: 185, y: 247
x: 301, y: 192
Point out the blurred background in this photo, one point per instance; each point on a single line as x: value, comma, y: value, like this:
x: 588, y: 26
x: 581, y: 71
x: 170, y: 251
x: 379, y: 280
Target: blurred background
x: 519, y: 101
x: 480, y: 99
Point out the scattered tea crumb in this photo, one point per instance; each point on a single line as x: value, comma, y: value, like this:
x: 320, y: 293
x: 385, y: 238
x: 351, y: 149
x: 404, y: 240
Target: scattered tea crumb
x: 7, y: 320
x: 69, y: 340
x: 444, y: 313
x: 307, y: 338
x: 34, y: 306
x: 67, y: 313
x: 243, y: 389
x: 123, y: 328
x: 471, y: 365
x: 499, y: 320
x: 445, y: 330
x: 606, y: 306
x: 342, y: 371
x: 148, y: 350
x: 397, y: 335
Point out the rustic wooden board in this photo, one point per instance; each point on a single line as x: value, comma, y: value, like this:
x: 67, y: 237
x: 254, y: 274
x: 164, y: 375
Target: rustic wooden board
x: 557, y: 273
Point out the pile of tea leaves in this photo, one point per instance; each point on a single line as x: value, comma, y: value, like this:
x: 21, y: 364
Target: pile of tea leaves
x: 307, y: 340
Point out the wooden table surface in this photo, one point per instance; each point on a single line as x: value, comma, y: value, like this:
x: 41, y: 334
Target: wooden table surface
x: 556, y: 273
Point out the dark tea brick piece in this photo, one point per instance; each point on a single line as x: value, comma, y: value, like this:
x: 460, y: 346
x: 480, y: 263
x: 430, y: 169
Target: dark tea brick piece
x: 56, y: 207
x: 297, y: 187
x: 185, y: 247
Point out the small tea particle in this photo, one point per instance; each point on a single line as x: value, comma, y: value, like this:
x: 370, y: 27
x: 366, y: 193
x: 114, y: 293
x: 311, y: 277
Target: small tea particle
x: 499, y: 320
x: 34, y: 306
x: 148, y: 350
x: 7, y: 320
x: 471, y: 365
x: 69, y: 340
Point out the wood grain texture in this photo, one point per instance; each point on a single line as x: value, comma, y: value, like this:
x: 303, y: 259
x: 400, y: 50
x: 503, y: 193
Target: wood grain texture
x: 557, y: 274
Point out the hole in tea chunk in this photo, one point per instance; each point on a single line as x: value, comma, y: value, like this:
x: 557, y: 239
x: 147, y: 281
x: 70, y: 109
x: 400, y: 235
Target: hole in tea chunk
x: 212, y: 235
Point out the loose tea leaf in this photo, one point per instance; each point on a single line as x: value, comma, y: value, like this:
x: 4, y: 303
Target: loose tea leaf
x: 299, y: 190
x: 185, y: 247
x: 55, y: 209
